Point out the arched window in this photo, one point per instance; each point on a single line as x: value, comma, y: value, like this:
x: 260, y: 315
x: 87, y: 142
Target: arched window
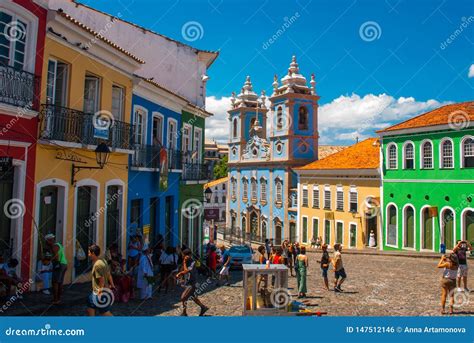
x: 279, y: 118
x: 447, y: 158
x: 409, y: 162
x: 253, y: 189
x: 409, y: 227
x: 233, y: 186
x: 234, y: 128
x: 447, y: 227
x: 427, y: 155
x: 264, y: 231
x: 392, y: 156
x: 468, y: 153
x: 279, y: 191
x: 245, y: 186
x: 302, y: 118
x: 244, y: 225
x: 391, y: 228
x: 263, y: 190
x: 223, y: 199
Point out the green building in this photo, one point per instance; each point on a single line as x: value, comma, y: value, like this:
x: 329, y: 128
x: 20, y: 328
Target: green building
x: 195, y: 173
x: 428, y: 180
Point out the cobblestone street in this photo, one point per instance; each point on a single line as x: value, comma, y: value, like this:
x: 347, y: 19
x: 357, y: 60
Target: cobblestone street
x: 376, y: 286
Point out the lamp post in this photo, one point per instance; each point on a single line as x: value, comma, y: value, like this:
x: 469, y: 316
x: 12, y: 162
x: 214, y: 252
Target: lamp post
x: 102, y: 153
x: 208, y: 196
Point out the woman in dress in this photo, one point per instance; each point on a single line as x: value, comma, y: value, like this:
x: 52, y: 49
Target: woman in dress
x: 302, y: 266
x: 372, y: 242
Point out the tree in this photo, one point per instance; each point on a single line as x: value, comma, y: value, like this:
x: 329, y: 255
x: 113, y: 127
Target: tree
x: 221, y: 169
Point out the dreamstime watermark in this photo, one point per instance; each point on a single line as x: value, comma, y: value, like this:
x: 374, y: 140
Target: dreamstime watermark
x: 280, y: 298
x: 102, y: 32
x: 287, y: 22
x: 465, y: 22
x: 21, y: 112
x: 461, y: 297
x: 14, y: 208
x: 458, y: 120
x: 200, y: 289
x: 46, y: 331
x: 370, y: 207
x: 370, y: 31
x: 15, y: 31
x: 19, y: 291
x: 192, y: 31
x: 192, y: 208
x: 105, y: 299
x: 101, y: 210
x: 103, y: 120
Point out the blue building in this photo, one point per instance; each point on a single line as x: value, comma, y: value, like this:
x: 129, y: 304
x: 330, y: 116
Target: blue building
x: 265, y: 144
x: 155, y: 167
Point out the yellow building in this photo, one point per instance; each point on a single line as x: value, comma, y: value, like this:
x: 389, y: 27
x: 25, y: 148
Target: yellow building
x: 339, y: 197
x: 86, y: 103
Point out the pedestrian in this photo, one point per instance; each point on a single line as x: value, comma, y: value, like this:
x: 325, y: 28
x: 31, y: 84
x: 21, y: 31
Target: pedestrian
x: 318, y: 242
x: 450, y: 267
x: 290, y: 258
x: 324, y: 263
x: 10, y: 278
x: 372, y: 242
x: 339, y: 272
x: 189, y: 274
x: 134, y: 249
x: 302, y: 266
x: 145, y: 277
x: 59, y: 266
x: 268, y: 247
x: 45, y: 273
x: 226, y: 259
x: 461, y: 249
x: 168, y: 262
x: 101, y: 298
x: 313, y: 242
x: 212, y: 261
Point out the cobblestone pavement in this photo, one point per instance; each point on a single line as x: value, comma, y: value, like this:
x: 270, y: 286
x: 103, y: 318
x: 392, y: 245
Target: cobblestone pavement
x: 376, y: 286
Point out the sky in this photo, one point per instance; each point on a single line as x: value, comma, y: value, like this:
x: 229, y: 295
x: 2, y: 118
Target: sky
x: 376, y: 62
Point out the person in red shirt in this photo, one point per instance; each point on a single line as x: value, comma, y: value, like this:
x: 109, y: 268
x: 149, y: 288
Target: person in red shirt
x: 212, y: 260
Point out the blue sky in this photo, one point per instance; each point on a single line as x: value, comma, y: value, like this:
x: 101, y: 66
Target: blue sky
x: 365, y: 82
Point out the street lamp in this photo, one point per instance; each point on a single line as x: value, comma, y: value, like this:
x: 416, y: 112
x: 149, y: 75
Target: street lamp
x: 208, y: 194
x: 102, y: 153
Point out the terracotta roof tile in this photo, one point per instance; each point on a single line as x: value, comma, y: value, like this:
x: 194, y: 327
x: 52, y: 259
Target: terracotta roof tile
x: 216, y: 182
x: 99, y: 36
x: 444, y: 115
x: 363, y: 155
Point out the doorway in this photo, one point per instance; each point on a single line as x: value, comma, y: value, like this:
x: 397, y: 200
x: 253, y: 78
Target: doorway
x: 6, y: 195
x: 114, y: 219
x: 84, y: 227
x: 371, y: 226
x: 327, y: 232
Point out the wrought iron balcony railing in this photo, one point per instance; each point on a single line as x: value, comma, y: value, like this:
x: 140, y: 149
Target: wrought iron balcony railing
x: 70, y: 125
x: 18, y: 87
x: 147, y: 156
x: 195, y: 172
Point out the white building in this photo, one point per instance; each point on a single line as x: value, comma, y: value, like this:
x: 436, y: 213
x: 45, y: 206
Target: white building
x: 215, y: 207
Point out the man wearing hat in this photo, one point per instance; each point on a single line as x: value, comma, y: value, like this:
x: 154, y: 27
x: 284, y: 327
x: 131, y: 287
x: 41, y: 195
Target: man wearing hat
x: 59, y: 266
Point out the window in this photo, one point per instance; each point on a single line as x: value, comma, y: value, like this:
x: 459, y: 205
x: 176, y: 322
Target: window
x: 353, y: 203
x: 302, y: 118
x: 223, y: 186
x: 172, y: 134
x: 327, y: 198
x: 279, y: 191
x: 392, y: 156
x: 409, y: 156
x: 339, y: 232
x: 197, y: 144
x: 157, y: 130
x: 56, y: 83
x: 253, y: 189
x: 233, y: 188
x: 315, y: 197
x: 305, y: 196
x: 223, y: 199
x: 263, y: 190
x: 447, y: 159
x: 118, y: 95
x: 245, y: 186
x: 139, y: 124
x: 409, y: 227
x: 216, y: 199
x: 12, y: 51
x: 315, y: 228
x: 279, y: 118
x: 468, y: 153
x: 339, y: 199
x: 427, y: 155
x: 234, y: 128
x: 91, y: 94
x: 186, y: 140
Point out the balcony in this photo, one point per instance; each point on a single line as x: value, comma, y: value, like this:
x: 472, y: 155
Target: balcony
x: 18, y: 88
x: 196, y: 172
x: 68, y: 125
x: 147, y: 156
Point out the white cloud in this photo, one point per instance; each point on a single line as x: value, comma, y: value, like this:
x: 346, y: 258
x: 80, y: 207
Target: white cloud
x: 471, y: 71
x: 341, y: 120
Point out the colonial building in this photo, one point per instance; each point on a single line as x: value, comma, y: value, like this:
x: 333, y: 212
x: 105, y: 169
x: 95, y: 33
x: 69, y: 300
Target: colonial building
x: 84, y: 141
x: 22, y: 34
x: 339, y: 197
x: 214, y: 152
x: 428, y: 180
x: 262, y: 183
x: 216, y: 202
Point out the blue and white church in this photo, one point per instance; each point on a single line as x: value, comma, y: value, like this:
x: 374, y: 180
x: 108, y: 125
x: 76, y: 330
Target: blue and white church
x: 267, y: 140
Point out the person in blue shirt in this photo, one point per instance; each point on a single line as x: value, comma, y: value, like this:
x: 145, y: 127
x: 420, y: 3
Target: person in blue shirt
x: 226, y: 259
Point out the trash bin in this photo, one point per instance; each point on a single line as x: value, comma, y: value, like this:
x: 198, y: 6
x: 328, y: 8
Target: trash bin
x: 442, y: 248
